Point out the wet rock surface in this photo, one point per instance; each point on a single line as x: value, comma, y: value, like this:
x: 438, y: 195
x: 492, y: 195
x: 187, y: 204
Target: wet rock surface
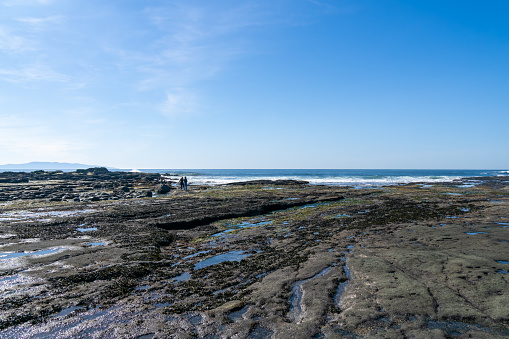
x: 257, y: 260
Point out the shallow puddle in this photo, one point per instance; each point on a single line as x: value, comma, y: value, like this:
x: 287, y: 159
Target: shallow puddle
x: 230, y: 256
x: 11, y: 278
x: 195, y: 254
x: 313, y: 205
x: 234, y: 316
x: 240, y: 226
x: 467, y: 185
x: 220, y: 291
x: 67, y: 311
x: 23, y: 215
x: 474, y: 233
x: 14, y: 283
x: 341, y: 287
x: 295, y: 312
x: 96, y: 243
x: 141, y: 288
x: 11, y: 255
x: 183, y: 277
x: 90, y: 229
x: 195, y: 320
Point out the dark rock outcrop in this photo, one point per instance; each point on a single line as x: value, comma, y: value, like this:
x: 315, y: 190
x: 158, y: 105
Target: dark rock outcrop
x: 162, y: 189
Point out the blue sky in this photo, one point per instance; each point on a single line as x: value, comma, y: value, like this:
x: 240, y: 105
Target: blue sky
x: 255, y: 84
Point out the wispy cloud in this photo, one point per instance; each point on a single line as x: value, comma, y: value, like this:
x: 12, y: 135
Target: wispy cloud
x: 178, y: 102
x: 37, y: 72
x: 42, y: 24
x: 194, y: 44
x: 11, y: 42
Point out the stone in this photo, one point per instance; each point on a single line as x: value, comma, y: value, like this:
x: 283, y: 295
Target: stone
x: 162, y: 189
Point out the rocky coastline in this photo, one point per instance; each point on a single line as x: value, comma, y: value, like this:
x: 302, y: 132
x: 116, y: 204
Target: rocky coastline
x: 93, y: 184
x: 95, y: 253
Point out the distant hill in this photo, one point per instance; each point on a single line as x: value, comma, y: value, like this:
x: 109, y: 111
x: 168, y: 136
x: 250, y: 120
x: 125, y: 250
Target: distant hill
x: 36, y: 165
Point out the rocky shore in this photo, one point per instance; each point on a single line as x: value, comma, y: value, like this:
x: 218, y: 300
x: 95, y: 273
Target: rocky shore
x: 93, y: 184
x: 95, y: 253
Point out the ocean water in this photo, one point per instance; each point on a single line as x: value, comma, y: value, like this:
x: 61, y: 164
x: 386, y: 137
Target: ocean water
x: 359, y: 178
x: 346, y: 177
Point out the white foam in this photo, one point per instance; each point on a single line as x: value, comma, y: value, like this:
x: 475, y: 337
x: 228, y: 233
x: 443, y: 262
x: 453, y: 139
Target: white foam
x: 335, y: 181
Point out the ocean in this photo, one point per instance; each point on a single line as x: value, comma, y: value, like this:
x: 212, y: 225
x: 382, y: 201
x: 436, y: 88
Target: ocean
x: 359, y: 178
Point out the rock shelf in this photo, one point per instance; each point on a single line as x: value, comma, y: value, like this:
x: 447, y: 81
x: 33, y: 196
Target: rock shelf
x: 249, y: 261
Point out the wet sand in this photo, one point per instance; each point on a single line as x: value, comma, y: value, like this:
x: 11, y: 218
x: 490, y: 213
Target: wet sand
x: 267, y: 259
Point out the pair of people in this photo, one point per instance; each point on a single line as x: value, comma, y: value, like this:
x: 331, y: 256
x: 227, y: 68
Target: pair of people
x: 183, y: 183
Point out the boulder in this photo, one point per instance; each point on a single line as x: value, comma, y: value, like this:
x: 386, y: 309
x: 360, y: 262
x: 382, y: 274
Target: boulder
x: 162, y: 189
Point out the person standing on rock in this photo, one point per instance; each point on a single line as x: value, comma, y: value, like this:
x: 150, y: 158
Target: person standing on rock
x: 185, y: 183
x: 181, y: 183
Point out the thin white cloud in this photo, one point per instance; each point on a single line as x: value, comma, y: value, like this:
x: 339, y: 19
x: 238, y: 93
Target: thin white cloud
x: 194, y: 44
x: 41, y: 24
x: 197, y: 42
x: 32, y: 73
x: 10, y: 42
x: 177, y: 103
